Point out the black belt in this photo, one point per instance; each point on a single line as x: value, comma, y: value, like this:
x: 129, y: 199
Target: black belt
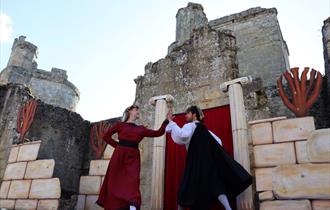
x: 124, y: 143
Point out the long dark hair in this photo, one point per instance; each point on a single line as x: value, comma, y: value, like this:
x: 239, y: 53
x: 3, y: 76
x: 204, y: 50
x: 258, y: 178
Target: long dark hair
x: 196, y: 110
x: 126, y: 112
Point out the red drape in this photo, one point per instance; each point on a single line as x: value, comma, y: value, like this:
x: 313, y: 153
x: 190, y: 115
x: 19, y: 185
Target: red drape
x: 218, y: 121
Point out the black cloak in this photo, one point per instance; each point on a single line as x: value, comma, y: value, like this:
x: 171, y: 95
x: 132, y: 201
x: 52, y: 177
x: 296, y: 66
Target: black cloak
x: 209, y: 172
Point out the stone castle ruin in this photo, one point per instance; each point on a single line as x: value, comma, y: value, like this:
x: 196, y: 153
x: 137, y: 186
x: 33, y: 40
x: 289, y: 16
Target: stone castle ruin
x: 51, y: 87
x: 244, y: 49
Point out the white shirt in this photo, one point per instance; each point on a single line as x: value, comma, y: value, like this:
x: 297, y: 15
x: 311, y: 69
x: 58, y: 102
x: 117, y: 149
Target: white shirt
x: 183, y: 135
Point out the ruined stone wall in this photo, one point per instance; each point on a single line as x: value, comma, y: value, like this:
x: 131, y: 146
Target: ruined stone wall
x: 188, y: 19
x: 64, y: 137
x: 51, y: 87
x: 263, y: 54
x: 11, y: 98
x: 192, y: 74
x: 262, y: 51
x: 291, y: 164
x: 23, y: 54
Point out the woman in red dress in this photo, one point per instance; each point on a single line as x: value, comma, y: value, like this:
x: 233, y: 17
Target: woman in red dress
x: 121, y: 187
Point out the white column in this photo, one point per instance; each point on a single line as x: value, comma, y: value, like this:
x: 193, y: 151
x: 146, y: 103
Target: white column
x: 162, y: 104
x: 240, y: 136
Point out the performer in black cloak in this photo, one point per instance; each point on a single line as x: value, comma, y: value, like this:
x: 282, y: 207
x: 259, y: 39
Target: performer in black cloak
x: 211, y: 174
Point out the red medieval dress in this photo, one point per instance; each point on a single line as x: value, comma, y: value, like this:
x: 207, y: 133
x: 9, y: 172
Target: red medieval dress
x: 121, y: 185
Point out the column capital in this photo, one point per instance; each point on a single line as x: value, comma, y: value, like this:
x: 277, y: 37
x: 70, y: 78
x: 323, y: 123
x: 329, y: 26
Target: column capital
x: 168, y: 98
x: 241, y: 80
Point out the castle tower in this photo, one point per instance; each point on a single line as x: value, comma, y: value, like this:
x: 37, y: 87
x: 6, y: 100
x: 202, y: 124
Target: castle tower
x: 262, y: 50
x: 51, y: 87
x: 23, y: 54
x: 188, y: 19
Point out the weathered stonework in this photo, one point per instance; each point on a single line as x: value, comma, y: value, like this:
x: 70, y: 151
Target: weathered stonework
x: 289, y: 204
x: 4, y: 189
x: 23, y: 54
x: 274, y: 154
x: 188, y: 19
x: 262, y: 133
x: 263, y: 54
x: 7, y: 204
x: 311, y: 181
x: 301, y: 152
x: 318, y: 146
x: 13, y: 154
x: 40, y: 169
x: 293, y: 129
x: 264, y: 177
x: 11, y: 98
x: 60, y: 130
x: 26, y: 204
x: 28, y: 152
x: 48, y: 204
x: 98, y: 167
x: 266, y: 196
x: 51, y: 87
x: 15, y: 171
x: 19, y: 189
x: 257, y: 32
x: 321, y: 204
x: 90, y: 185
x: 45, y: 189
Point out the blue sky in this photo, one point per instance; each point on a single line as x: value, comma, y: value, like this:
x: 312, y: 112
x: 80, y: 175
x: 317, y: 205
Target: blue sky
x: 105, y: 44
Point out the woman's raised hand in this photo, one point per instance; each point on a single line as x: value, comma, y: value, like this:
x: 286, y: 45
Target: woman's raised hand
x: 170, y: 116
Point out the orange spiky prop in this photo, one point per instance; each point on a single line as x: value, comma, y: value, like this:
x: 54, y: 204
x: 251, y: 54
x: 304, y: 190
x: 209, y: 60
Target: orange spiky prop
x: 96, y: 134
x: 25, y: 117
x: 303, y: 96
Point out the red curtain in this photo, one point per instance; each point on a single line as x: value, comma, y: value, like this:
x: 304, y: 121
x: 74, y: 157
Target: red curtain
x: 218, y: 121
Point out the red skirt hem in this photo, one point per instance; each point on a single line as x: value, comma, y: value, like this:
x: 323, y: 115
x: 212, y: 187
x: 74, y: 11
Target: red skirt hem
x: 121, y: 208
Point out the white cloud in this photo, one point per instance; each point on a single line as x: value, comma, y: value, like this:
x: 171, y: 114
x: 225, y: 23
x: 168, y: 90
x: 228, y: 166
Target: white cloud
x: 6, y: 28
